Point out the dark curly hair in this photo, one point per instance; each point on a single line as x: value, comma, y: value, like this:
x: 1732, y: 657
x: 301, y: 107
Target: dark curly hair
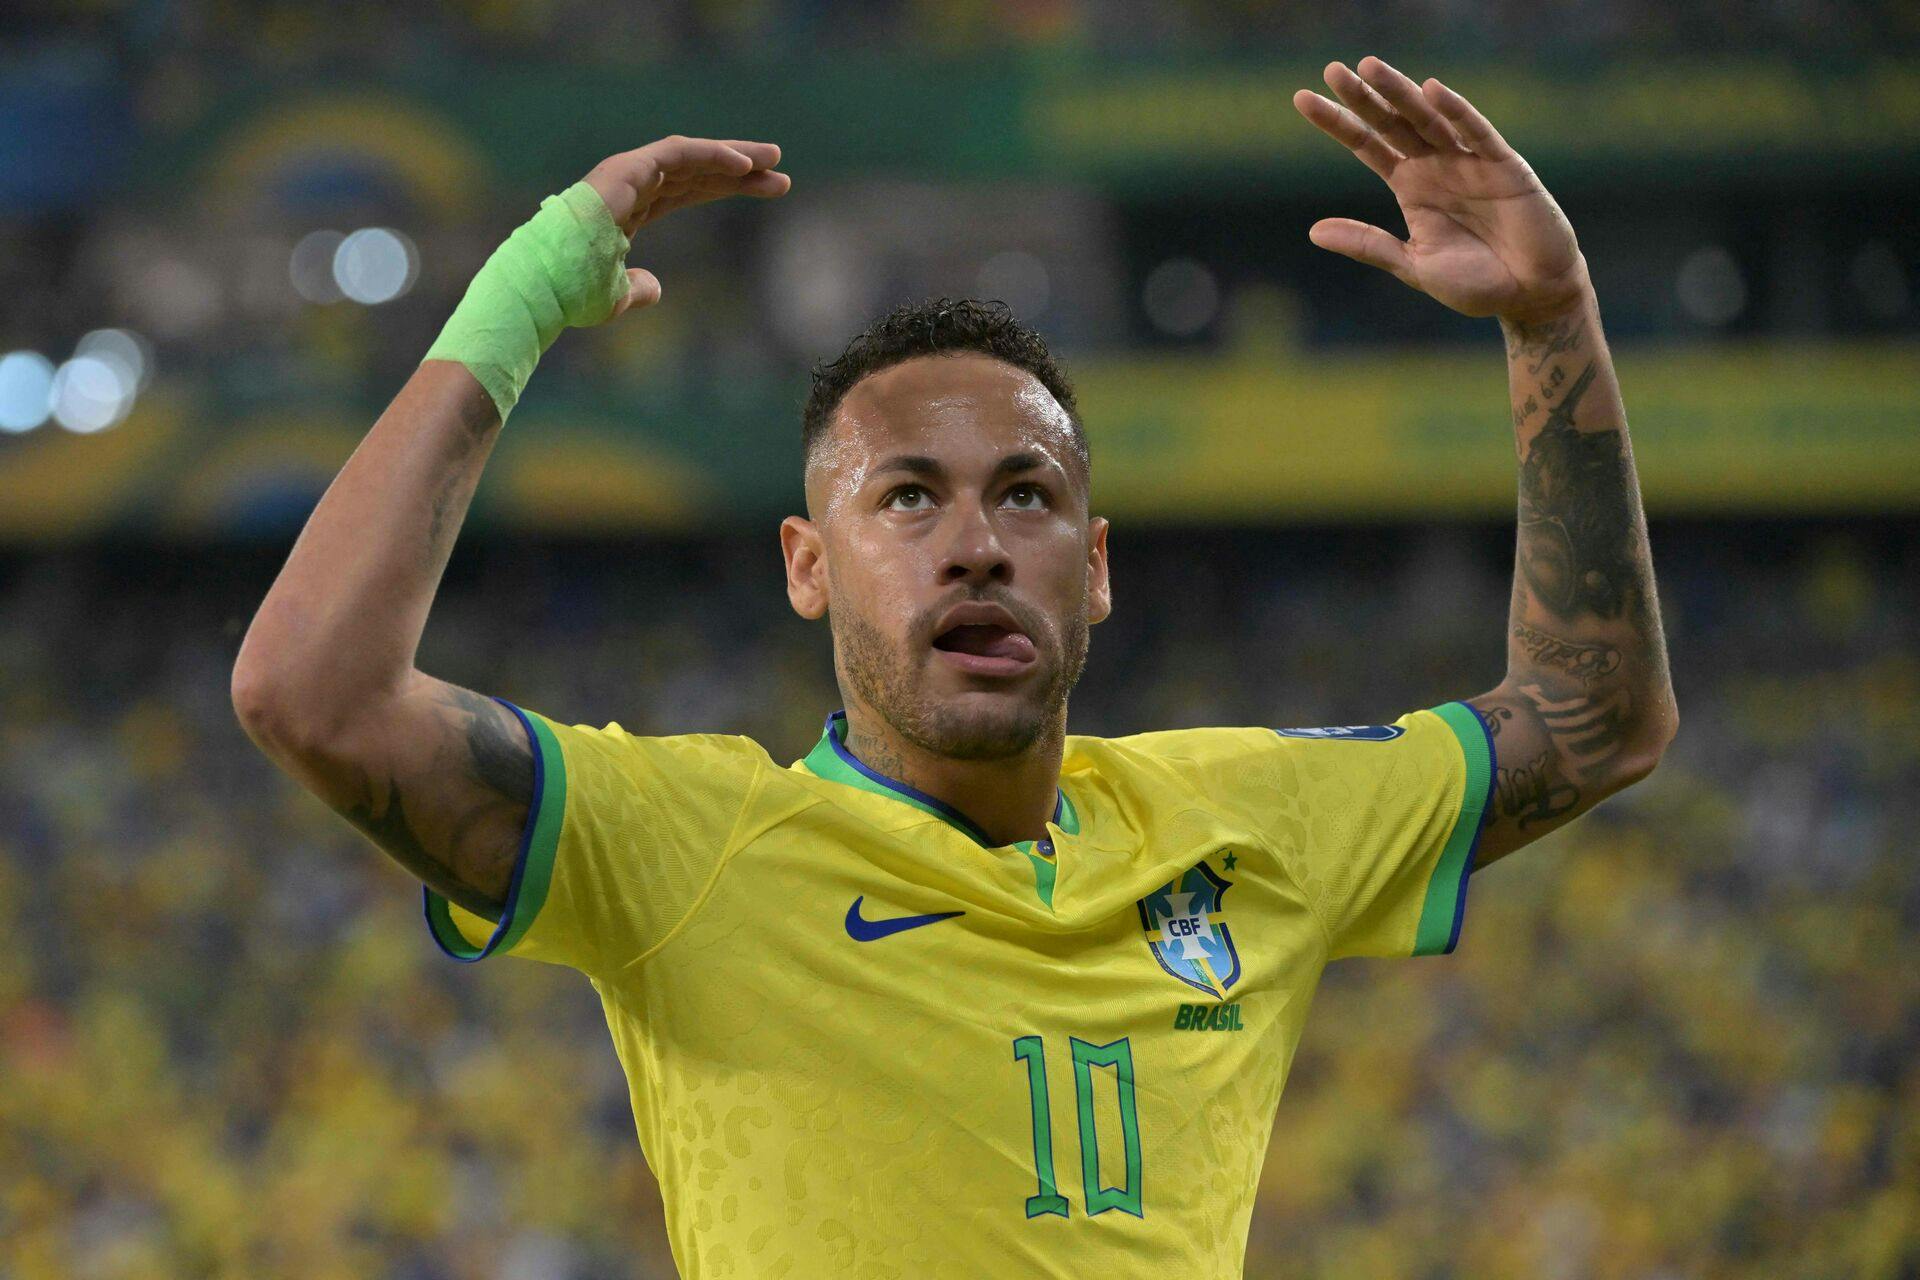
x: 932, y: 327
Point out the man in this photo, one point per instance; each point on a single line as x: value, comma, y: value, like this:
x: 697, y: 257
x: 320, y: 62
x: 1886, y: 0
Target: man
x: 959, y: 994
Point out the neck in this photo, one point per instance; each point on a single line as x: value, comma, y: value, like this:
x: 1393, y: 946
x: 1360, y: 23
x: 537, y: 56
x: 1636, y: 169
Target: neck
x: 1009, y: 799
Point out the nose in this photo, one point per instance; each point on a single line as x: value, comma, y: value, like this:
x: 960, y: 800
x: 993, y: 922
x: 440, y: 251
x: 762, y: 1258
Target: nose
x: 974, y: 550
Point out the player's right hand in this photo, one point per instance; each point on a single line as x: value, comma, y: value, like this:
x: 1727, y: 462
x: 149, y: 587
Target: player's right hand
x: 646, y: 184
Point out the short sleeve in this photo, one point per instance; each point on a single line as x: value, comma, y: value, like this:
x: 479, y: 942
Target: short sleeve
x: 1378, y: 824
x: 623, y: 839
x: 1385, y: 824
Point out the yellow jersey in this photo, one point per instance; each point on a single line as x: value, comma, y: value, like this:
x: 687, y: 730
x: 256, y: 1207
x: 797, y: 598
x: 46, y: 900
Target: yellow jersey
x: 863, y: 1042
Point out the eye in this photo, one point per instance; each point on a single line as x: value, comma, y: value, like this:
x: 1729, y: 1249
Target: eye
x: 1026, y: 497
x: 908, y: 497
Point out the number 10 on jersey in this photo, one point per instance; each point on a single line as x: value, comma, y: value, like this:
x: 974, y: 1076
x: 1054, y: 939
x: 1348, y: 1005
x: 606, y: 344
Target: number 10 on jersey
x: 1119, y: 1057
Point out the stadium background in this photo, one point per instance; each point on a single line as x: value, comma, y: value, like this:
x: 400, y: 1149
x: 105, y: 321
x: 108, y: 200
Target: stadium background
x: 1679, y: 1039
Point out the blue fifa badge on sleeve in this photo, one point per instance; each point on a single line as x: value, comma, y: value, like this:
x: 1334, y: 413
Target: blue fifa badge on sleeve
x: 1353, y: 732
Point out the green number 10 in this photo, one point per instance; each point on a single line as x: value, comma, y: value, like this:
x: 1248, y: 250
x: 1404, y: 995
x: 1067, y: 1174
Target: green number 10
x: 1119, y: 1056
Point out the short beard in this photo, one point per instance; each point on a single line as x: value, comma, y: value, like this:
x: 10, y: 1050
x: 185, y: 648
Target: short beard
x: 886, y: 680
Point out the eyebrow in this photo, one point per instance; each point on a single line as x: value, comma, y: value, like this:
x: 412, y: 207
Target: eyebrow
x: 920, y: 465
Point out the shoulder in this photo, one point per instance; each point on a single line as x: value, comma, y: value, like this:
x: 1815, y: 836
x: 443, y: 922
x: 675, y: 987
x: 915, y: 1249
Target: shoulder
x: 1173, y: 767
x: 608, y: 758
x: 613, y: 742
x: 1168, y: 748
x: 1223, y: 756
x: 1227, y: 744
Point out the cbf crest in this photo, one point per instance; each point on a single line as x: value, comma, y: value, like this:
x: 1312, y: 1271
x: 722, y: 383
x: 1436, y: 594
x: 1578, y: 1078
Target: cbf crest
x: 1186, y: 934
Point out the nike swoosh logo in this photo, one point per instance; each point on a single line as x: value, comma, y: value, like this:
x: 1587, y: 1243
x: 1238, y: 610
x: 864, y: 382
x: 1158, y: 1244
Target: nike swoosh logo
x: 861, y: 929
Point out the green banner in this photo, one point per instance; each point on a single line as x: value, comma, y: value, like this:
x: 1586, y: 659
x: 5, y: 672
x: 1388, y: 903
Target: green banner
x: 1762, y: 428
x: 1706, y: 117
x: 447, y: 132
x: 1753, y: 429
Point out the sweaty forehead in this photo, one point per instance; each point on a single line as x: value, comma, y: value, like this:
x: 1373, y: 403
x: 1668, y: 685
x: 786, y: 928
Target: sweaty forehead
x: 961, y: 409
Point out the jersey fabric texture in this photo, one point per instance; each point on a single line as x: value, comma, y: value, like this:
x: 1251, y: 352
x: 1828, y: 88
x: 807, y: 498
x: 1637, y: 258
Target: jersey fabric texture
x: 863, y: 1042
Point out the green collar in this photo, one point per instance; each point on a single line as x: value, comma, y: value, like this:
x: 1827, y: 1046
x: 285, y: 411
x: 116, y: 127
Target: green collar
x: 830, y: 759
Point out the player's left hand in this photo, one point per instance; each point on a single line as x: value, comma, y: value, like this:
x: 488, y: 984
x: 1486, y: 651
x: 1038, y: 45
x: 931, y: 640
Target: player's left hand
x: 1483, y: 235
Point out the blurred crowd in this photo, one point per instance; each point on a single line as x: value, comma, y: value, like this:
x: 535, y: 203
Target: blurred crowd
x: 756, y: 295
x: 277, y: 34
x: 1679, y: 1040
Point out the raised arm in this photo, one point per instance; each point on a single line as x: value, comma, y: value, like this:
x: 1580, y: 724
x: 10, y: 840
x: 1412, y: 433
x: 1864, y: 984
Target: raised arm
x: 1586, y: 707
x: 325, y: 683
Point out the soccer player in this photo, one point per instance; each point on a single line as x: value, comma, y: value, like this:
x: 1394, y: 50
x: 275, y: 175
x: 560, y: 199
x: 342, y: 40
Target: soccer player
x: 959, y: 993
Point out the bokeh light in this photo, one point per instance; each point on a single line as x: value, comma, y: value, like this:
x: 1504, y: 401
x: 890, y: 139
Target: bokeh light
x: 311, y: 266
x: 127, y: 350
x: 26, y: 390
x: 375, y: 265
x: 1181, y: 297
x: 91, y: 393
x: 1710, y: 286
x: 1018, y: 279
x: 1880, y: 281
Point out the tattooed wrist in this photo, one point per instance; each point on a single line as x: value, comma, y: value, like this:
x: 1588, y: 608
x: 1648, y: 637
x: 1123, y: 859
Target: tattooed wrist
x: 1537, y: 343
x: 1551, y: 306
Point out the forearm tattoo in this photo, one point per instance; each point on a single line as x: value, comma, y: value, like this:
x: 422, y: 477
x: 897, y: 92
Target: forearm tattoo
x: 1586, y: 659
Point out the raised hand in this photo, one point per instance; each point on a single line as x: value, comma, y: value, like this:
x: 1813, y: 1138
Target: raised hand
x: 1483, y: 235
x: 647, y: 183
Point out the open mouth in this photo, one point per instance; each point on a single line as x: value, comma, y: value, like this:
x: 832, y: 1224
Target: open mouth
x: 986, y: 648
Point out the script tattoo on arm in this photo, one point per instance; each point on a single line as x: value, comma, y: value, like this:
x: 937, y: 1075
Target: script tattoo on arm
x: 454, y: 820
x: 1586, y: 705
x: 1529, y: 794
x: 1537, y: 345
x: 1584, y: 662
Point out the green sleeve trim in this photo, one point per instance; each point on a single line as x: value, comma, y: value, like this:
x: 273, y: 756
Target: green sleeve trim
x: 533, y: 866
x: 1447, y: 891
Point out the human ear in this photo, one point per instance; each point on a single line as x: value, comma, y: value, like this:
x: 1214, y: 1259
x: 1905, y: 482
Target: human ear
x: 1099, y: 586
x: 805, y: 554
